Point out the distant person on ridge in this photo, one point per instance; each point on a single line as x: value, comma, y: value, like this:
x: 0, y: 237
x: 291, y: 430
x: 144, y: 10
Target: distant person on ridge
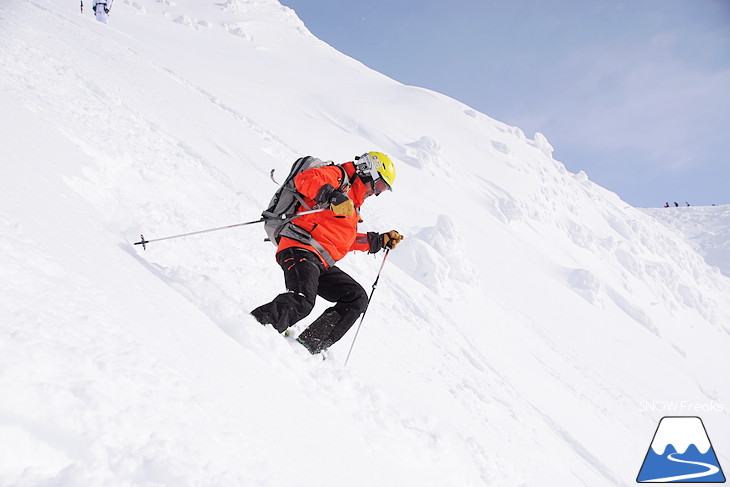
x: 309, y: 269
x: 676, y: 205
x: 666, y: 205
x: 101, y: 9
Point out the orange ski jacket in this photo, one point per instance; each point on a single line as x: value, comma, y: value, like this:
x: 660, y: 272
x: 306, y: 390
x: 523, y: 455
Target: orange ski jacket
x: 336, y: 233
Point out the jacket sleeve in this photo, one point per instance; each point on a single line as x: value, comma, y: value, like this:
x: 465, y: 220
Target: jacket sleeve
x: 311, y: 181
x: 370, y: 242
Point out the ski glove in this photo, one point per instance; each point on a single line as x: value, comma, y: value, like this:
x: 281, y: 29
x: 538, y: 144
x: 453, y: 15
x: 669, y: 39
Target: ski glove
x: 339, y: 203
x: 324, y: 194
x: 345, y: 206
x: 387, y: 240
x: 391, y: 239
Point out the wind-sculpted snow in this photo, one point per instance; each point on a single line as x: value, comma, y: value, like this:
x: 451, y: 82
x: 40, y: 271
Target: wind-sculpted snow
x: 513, y: 337
x: 706, y: 228
x: 435, y: 257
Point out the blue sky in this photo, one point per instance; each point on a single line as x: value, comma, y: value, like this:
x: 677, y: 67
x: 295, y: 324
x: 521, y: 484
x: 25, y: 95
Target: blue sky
x: 635, y: 93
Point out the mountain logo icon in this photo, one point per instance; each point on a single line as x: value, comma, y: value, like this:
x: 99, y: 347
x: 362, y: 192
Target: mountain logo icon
x: 681, y: 452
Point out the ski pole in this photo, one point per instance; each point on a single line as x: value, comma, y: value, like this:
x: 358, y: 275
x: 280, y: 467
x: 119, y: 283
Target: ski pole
x: 375, y: 284
x: 144, y: 242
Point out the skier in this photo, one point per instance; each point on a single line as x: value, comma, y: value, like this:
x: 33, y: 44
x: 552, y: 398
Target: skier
x: 101, y: 9
x: 309, y: 270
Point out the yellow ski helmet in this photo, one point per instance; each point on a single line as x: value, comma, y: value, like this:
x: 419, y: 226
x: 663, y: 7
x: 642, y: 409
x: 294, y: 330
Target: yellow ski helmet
x: 376, y: 166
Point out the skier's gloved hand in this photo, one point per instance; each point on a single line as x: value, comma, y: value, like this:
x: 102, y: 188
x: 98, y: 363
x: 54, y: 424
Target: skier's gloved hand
x: 341, y: 205
x: 387, y: 240
x: 324, y: 194
x: 338, y: 201
x: 391, y: 239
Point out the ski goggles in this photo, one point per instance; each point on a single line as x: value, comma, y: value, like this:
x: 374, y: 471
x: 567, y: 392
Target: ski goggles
x: 366, y: 166
x: 375, y: 187
x: 379, y: 185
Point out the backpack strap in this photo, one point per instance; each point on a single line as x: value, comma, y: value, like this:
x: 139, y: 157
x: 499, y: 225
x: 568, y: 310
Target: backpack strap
x: 294, y: 232
x: 345, y: 178
x: 299, y: 198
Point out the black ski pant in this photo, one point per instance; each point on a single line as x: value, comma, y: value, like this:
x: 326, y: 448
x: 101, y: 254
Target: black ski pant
x: 306, y: 278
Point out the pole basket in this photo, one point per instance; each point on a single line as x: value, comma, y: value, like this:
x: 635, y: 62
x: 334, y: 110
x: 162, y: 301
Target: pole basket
x: 142, y: 242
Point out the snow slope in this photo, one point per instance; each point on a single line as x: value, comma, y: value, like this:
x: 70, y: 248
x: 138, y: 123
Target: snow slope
x: 707, y: 228
x: 514, y: 338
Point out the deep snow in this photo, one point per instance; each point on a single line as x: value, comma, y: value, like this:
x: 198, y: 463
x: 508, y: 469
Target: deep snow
x: 532, y: 329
